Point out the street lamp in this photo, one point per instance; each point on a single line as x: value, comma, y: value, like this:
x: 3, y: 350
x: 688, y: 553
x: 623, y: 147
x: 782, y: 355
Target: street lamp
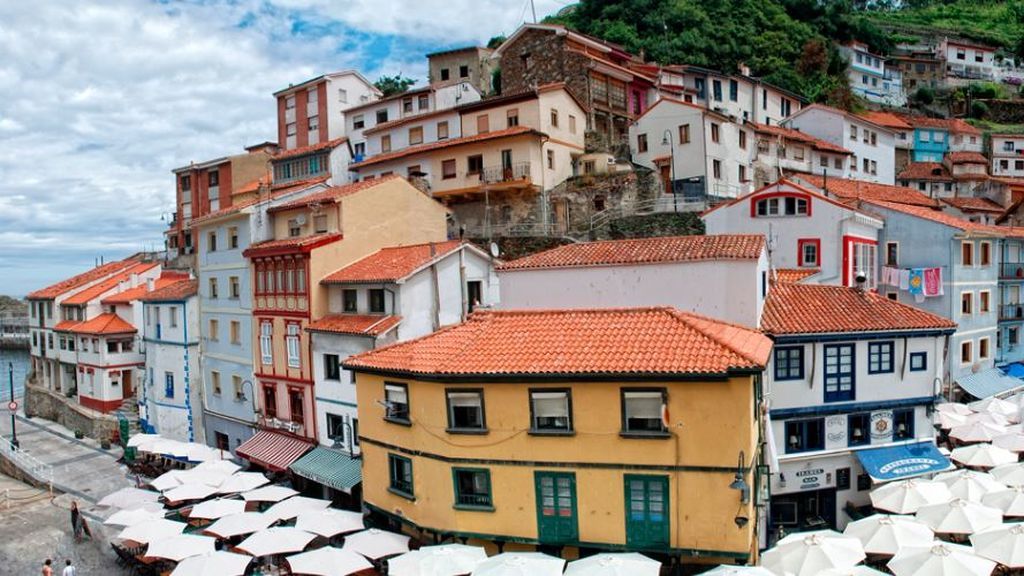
x: 14, y: 430
x: 241, y: 395
x: 666, y: 140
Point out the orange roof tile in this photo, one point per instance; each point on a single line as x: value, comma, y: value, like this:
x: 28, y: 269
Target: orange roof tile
x: 859, y: 190
x: 940, y: 217
x: 440, y: 144
x: 391, y: 264
x: 276, y: 191
x: 792, y: 181
x: 575, y: 343
x: 796, y: 135
x: 967, y: 158
x: 974, y: 204
x: 645, y: 251
x: 128, y: 296
x: 289, y: 245
x: 66, y: 325
x: 820, y: 309
x: 954, y: 125
x: 107, y: 323
x: 794, y: 274
x: 886, y: 119
x: 925, y: 171
x: 107, y: 285
x: 356, y: 324
x: 54, y: 290
x: 174, y: 292
x: 284, y: 154
x: 332, y: 194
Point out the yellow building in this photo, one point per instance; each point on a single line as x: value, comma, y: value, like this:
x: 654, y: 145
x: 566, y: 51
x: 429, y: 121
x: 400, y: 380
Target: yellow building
x: 605, y: 429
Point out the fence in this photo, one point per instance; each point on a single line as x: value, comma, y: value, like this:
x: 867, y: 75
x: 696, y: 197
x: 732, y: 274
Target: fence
x: 27, y: 463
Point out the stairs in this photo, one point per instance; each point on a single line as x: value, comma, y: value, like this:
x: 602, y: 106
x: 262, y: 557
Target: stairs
x: 130, y: 410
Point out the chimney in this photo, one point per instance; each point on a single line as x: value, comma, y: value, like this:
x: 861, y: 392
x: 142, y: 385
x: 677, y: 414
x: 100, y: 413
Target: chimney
x: 150, y: 284
x: 135, y: 279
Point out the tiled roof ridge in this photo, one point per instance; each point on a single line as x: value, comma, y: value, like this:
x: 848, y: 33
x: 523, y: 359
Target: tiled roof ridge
x: 689, y: 318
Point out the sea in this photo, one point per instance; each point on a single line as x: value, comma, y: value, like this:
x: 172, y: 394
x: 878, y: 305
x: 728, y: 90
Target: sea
x: 18, y: 358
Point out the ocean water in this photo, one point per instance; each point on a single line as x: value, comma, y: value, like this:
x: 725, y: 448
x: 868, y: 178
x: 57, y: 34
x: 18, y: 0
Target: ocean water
x: 19, y: 359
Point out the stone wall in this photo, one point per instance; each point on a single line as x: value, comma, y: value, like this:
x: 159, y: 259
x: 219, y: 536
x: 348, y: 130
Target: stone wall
x: 43, y: 403
x: 1005, y: 111
x: 586, y: 196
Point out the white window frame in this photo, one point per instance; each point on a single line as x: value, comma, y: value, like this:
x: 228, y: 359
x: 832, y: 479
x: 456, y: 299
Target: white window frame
x: 988, y: 348
x: 292, y: 344
x: 970, y: 299
x: 266, y: 342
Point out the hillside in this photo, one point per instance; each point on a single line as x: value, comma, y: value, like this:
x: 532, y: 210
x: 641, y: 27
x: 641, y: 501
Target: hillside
x: 998, y: 24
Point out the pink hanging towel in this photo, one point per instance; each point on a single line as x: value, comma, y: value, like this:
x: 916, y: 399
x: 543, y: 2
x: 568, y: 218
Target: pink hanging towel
x: 933, y: 282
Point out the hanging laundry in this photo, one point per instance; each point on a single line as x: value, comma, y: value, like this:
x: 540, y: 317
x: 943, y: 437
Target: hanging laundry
x: 904, y: 279
x: 916, y: 281
x: 933, y: 282
x: 886, y: 279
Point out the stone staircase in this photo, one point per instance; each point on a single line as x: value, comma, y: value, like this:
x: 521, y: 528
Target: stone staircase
x: 130, y: 410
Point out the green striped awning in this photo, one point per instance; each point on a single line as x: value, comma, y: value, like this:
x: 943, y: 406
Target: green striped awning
x: 330, y: 468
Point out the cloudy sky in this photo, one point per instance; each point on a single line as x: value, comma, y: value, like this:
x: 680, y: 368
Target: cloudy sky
x: 100, y: 100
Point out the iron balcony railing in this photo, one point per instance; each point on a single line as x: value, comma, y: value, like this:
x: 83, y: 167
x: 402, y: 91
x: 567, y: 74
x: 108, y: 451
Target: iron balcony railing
x: 511, y: 173
x: 473, y: 499
x: 1011, y: 312
x: 1011, y: 270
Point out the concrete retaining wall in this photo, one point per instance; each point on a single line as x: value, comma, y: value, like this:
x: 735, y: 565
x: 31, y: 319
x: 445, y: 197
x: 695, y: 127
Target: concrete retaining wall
x: 43, y: 403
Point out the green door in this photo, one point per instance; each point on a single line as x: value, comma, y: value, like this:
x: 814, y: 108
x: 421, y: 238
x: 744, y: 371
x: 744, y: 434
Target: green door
x: 647, y: 511
x: 556, y: 507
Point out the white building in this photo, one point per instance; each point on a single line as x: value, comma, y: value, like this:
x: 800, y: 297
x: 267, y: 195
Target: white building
x: 870, y: 76
x: 314, y: 111
x: 1008, y: 155
x: 827, y: 239
x: 725, y: 276
x: 966, y: 61
x: 873, y: 146
x: 782, y: 151
x: 172, y: 392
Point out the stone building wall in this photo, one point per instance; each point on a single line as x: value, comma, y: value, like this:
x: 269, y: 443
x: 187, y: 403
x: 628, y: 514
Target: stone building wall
x: 66, y: 412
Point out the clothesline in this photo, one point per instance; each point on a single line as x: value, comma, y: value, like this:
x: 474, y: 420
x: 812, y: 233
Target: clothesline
x: 921, y: 283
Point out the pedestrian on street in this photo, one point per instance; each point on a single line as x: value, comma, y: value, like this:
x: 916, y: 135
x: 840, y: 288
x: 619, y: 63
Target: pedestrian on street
x: 69, y: 569
x: 76, y: 521
x: 47, y: 569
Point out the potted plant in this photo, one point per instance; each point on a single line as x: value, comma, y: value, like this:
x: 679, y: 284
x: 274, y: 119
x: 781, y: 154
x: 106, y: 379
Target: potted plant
x: 79, y: 434
x: 105, y: 444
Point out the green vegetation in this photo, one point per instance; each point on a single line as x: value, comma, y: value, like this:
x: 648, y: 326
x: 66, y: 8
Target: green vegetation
x: 999, y: 24
x: 391, y: 85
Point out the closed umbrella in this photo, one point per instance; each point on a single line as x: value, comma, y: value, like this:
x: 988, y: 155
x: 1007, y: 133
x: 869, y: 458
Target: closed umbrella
x: 959, y: 516
x: 328, y: 561
x: 977, y: 432
x: 376, y: 544
x: 443, y: 560
x: 626, y: 564
x: 808, y: 553
x: 268, y: 494
x: 242, y: 482
x: 1010, y: 474
x: 1003, y: 544
x: 276, y: 540
x: 906, y: 496
x: 939, y: 559
x: 156, y: 529
x: 520, y: 564
x: 292, y: 507
x: 947, y: 420
x: 238, y: 524
x: 179, y: 547
x: 738, y: 571
x: 134, y: 516
x: 993, y: 405
x: 886, y: 534
x: 213, y: 564
x: 166, y: 481
x: 1010, y: 501
x: 954, y: 408
x: 190, y: 492
x: 330, y: 522
x: 128, y: 498
x: 1013, y: 441
x: 219, y: 508
x: 969, y: 484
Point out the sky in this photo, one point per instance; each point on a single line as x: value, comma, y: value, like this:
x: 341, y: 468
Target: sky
x: 100, y: 100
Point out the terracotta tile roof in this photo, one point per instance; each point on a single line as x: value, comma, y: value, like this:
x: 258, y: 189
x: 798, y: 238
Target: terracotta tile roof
x: 107, y: 323
x: 66, y: 325
x: 54, y: 290
x: 575, y: 343
x: 166, y: 278
x: 440, y: 144
x: 285, y: 154
x: 795, y: 182
x: 817, y: 309
x: 97, y: 290
x: 940, y: 217
x: 391, y: 264
x: 287, y: 245
x: 886, y: 119
x: 974, y: 204
x: 858, y: 190
x: 174, y: 292
x: 954, y: 125
x: 645, y: 251
x: 357, y: 324
x: 332, y: 194
x: 967, y: 158
x: 796, y: 135
x: 925, y: 171
x: 794, y: 274
x: 843, y: 113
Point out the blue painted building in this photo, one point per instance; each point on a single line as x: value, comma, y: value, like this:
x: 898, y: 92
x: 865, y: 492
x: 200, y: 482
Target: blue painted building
x: 1011, y: 306
x: 930, y: 144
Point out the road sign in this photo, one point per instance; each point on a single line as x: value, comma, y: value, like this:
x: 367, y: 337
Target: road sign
x: 13, y: 406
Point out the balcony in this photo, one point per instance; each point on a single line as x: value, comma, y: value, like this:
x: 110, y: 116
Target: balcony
x: 1012, y: 270
x: 1011, y: 312
x: 497, y: 174
x: 270, y: 422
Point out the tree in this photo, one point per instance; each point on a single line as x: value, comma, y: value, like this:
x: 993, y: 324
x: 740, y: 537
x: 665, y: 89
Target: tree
x: 924, y: 95
x: 496, y: 41
x: 391, y: 85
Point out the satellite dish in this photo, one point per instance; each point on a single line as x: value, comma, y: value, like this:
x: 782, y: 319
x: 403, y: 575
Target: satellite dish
x: 494, y: 250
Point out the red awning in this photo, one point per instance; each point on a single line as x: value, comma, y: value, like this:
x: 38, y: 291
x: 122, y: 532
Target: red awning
x: 273, y: 450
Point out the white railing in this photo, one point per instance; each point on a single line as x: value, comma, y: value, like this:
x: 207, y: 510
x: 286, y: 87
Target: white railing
x: 26, y: 462
x: 662, y: 203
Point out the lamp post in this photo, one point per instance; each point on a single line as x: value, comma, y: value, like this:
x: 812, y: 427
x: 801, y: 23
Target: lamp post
x: 666, y: 140
x: 14, y: 430
x: 242, y: 398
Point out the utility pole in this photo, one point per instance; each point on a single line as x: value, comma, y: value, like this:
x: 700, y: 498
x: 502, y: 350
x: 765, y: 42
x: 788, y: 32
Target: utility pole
x: 534, y: 10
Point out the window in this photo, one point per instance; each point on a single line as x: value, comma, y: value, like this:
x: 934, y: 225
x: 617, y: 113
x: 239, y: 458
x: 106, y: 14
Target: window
x: 554, y: 118
x: 235, y: 329
x: 385, y: 143
x: 472, y: 488
x: 551, y: 159
x: 512, y: 117
x: 442, y: 130
x: 475, y: 164
x: 789, y: 363
x: 376, y: 300
x: 269, y: 401
x: 396, y: 399
x: 641, y: 143
x: 482, y: 124
x: 289, y: 102
x: 465, y: 410
x: 880, y: 357
x: 983, y: 348
x: 400, y: 475
x: 641, y: 411
x: 902, y: 424
x: 266, y: 335
x: 349, y: 299
x: 866, y: 165
x: 320, y: 223
x: 684, y: 134
x: 475, y: 290
x: 572, y: 124
x: 415, y: 135
x: 743, y: 140
x: 342, y: 95
x: 448, y: 169
x: 1012, y: 336
x: 966, y: 303
x: 858, y: 429
x: 782, y: 206
x: 716, y: 169
x: 294, y: 228
x: 292, y: 343
x: 853, y: 132
x: 382, y: 116
x: 918, y: 361
x: 423, y: 102
x: 233, y: 287
x: 290, y: 129
x: 984, y: 301
x: 966, y: 352
x: 715, y: 136
x: 734, y: 90
x: 716, y: 90
x: 314, y: 123
x: 215, y: 382
x: 839, y: 375
x: 332, y: 367
x: 805, y: 435
x: 445, y: 74
x: 742, y: 173
x: 296, y: 404
x: 986, y: 253
x: 413, y: 171
x: 214, y: 330
x: 233, y: 237
x: 211, y: 242
x: 809, y: 252
x: 335, y: 427
x: 892, y: 253
x: 550, y: 411
x: 169, y: 384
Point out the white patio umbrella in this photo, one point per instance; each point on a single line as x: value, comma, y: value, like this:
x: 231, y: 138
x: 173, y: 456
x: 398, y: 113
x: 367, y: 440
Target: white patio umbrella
x: 725, y: 570
x: 1013, y: 441
x: 133, y: 516
x: 200, y: 453
x: 993, y: 405
x: 190, y: 492
x: 166, y: 481
x: 214, y: 509
x: 1003, y: 544
x: 983, y: 455
x: 954, y: 408
x: 328, y: 561
x: 906, y: 496
x: 202, y: 476
x: 939, y: 559
x: 625, y: 564
x: 808, y: 553
x: 520, y: 564
x: 242, y: 482
x: 179, y: 547
x: 886, y: 534
x: 238, y: 524
x: 213, y: 564
x: 1010, y: 501
x: 268, y: 494
x: 442, y: 560
x: 376, y: 544
x: 977, y: 432
x: 222, y: 467
x: 859, y: 570
x: 1009, y: 474
x: 959, y: 516
x: 129, y: 498
x: 150, y: 530
x: 947, y: 420
x: 330, y: 522
x: 139, y: 439
x: 969, y: 484
x: 988, y: 418
x: 292, y: 507
x: 277, y: 540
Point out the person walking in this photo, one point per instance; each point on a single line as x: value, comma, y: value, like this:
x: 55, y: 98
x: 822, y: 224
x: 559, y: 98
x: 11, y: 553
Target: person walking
x: 47, y: 567
x: 69, y: 569
x: 76, y: 521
